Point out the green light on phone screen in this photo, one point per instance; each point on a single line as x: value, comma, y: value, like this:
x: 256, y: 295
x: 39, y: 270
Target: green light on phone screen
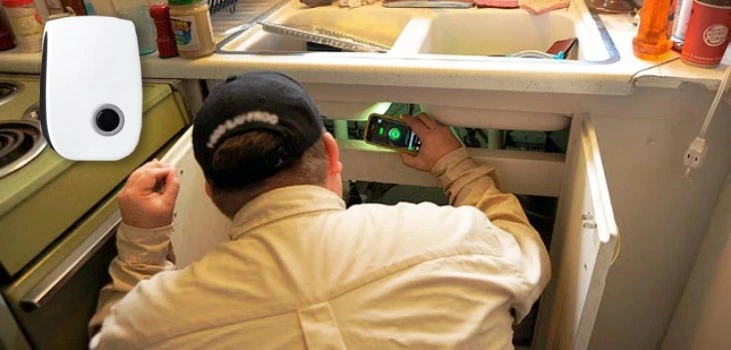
x: 394, y: 134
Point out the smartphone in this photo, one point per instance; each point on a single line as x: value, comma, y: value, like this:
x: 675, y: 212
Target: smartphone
x: 391, y: 132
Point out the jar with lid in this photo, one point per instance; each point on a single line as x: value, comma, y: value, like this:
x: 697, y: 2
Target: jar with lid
x: 26, y: 24
x: 191, y: 24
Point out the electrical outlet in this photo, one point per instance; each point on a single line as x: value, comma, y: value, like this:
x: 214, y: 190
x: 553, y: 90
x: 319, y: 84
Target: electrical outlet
x: 695, y: 153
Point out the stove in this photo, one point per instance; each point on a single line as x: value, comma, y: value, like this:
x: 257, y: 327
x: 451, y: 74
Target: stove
x: 20, y: 142
x: 8, y: 91
x: 31, y: 113
x: 58, y: 217
x: 34, y: 178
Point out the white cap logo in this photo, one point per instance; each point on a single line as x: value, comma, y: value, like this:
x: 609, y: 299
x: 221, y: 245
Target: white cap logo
x: 255, y: 116
x: 715, y: 35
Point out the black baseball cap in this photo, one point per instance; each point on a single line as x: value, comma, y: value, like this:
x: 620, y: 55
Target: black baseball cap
x: 264, y: 101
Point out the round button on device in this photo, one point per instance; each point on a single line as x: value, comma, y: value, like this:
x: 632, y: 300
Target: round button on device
x: 394, y: 134
x: 107, y: 120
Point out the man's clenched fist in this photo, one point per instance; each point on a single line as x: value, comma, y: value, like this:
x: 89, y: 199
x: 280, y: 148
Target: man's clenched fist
x: 148, y: 198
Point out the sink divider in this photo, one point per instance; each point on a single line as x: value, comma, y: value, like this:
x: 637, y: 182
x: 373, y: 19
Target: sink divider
x: 412, y: 37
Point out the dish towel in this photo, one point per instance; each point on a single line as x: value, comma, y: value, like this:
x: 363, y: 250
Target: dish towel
x: 505, y: 4
x: 538, y: 7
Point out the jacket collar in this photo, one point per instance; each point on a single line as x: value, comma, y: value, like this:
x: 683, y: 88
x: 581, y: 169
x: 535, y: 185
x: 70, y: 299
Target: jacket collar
x: 283, y: 202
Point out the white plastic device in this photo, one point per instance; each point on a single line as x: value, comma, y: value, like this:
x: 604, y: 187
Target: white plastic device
x: 91, y: 88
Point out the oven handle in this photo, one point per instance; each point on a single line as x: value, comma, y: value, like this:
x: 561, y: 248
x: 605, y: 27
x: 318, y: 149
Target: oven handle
x: 41, y: 293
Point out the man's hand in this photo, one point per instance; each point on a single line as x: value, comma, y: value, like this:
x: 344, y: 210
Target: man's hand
x: 148, y: 198
x: 436, y: 142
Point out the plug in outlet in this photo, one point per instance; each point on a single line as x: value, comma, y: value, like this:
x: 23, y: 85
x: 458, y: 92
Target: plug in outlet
x: 695, y: 154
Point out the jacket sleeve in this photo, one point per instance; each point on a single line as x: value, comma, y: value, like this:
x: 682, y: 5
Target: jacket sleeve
x: 469, y: 184
x: 142, y: 253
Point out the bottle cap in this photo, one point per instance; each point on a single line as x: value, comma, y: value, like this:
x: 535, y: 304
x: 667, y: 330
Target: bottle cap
x: 16, y: 3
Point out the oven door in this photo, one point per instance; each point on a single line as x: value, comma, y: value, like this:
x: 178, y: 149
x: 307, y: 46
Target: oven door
x: 53, y: 300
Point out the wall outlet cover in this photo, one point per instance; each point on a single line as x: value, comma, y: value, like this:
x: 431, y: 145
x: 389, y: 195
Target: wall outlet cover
x: 91, y: 88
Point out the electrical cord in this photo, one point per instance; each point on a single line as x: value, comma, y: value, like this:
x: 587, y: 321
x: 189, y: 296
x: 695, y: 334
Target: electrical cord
x: 696, y: 152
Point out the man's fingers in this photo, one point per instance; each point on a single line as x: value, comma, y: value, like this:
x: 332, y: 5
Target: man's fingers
x: 409, y: 160
x: 149, y: 178
x: 139, y: 171
x: 428, y: 120
x: 172, y: 186
x: 417, y: 125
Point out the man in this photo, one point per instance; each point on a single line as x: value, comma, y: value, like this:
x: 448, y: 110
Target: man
x: 301, y: 271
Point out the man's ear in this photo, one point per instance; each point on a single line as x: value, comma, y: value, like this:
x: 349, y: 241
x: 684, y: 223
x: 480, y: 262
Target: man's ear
x: 333, y: 153
x: 209, y: 190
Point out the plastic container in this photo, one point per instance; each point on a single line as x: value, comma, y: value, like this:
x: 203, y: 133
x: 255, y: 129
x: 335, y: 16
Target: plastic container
x: 26, y: 24
x: 707, y: 36
x: 166, y: 46
x: 191, y: 24
x: 652, y: 39
x: 104, y: 8
x: 682, y: 15
x: 138, y: 12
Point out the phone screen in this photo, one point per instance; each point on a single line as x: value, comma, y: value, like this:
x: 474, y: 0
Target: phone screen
x: 391, y: 133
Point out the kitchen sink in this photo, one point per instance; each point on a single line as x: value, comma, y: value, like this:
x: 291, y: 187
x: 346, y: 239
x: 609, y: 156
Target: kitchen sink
x: 374, y: 23
x: 436, y: 34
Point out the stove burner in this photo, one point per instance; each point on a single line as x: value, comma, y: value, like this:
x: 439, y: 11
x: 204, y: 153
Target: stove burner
x: 20, y: 142
x: 7, y: 91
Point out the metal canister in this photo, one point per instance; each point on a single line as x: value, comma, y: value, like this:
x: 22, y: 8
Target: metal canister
x: 680, y: 24
x: 707, y: 36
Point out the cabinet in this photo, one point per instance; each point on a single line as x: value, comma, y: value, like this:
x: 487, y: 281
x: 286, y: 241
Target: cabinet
x: 585, y: 236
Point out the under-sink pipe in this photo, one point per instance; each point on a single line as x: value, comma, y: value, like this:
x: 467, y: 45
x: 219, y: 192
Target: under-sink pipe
x: 494, y: 139
x: 341, y: 129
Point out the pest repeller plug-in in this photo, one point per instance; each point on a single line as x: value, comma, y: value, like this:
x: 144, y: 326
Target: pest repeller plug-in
x: 91, y: 88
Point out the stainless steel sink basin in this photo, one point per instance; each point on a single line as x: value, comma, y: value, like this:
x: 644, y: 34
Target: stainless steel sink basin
x: 436, y: 34
x: 364, y: 22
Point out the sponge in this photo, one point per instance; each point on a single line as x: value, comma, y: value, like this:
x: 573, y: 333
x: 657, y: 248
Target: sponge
x: 538, y: 7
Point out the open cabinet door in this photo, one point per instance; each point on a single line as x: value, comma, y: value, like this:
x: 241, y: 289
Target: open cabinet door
x: 583, y: 247
x: 197, y: 224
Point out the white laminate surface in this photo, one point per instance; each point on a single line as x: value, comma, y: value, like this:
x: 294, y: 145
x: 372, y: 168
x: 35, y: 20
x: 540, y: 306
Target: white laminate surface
x: 617, y: 78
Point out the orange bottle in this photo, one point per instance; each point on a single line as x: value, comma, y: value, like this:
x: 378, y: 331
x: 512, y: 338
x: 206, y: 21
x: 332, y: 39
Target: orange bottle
x: 652, y: 40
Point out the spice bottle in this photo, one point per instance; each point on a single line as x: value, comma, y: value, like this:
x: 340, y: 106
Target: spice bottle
x: 6, y: 36
x: 652, y: 40
x: 191, y: 23
x: 166, y: 47
x: 26, y: 24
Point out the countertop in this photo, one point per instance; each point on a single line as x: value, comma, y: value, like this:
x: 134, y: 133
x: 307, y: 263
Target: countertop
x: 616, y: 78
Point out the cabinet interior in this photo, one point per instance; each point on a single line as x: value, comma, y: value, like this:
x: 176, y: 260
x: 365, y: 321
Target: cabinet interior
x: 541, y: 210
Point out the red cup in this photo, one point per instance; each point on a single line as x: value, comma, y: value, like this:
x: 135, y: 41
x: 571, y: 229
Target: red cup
x: 707, y: 36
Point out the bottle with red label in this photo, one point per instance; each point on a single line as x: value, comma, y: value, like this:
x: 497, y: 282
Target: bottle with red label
x: 26, y: 24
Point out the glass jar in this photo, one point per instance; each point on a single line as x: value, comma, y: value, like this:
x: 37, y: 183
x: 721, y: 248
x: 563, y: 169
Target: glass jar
x: 191, y: 24
x: 26, y: 24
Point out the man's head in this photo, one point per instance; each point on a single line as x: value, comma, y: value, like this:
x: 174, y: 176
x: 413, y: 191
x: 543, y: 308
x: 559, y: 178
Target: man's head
x: 260, y: 131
